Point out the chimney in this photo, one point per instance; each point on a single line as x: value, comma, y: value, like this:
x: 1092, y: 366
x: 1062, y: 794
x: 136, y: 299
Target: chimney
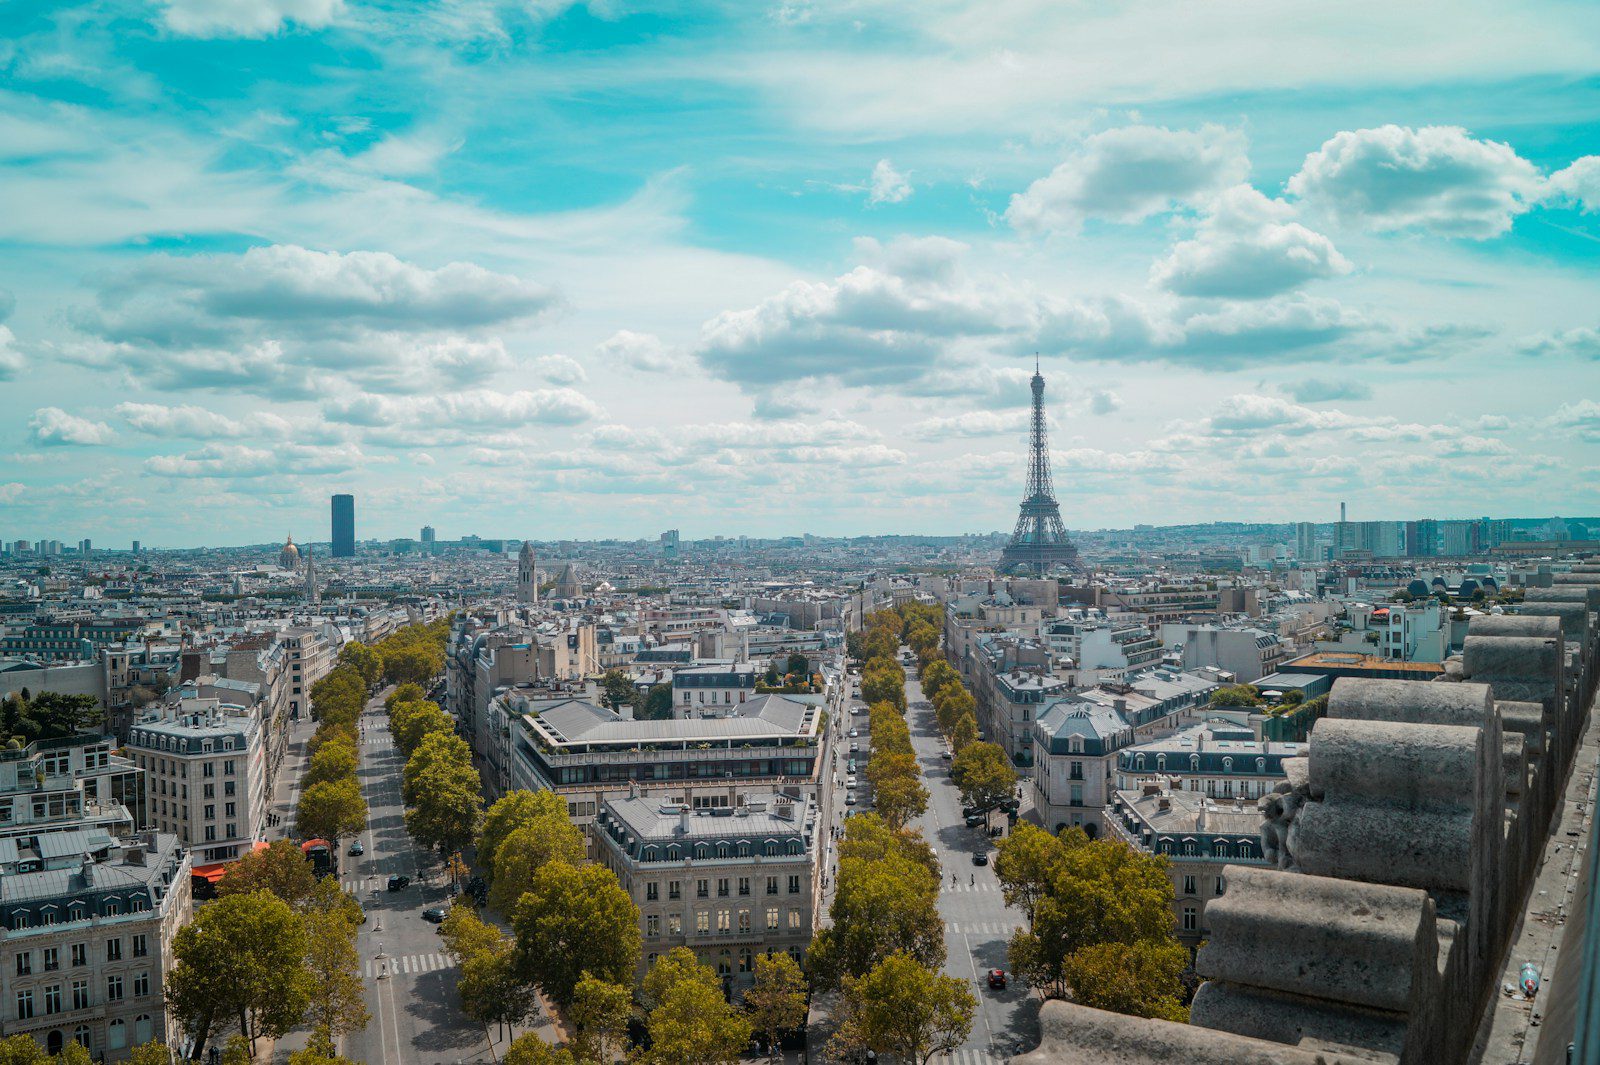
x: 683, y: 819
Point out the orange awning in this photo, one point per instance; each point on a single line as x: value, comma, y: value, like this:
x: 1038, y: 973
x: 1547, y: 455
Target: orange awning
x: 212, y: 873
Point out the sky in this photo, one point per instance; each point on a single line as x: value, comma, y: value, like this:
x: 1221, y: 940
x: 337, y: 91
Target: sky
x: 564, y: 270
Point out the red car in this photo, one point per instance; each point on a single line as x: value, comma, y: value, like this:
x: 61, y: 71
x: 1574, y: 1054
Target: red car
x: 997, y: 979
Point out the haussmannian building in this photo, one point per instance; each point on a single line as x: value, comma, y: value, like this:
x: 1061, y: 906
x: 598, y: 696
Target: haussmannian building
x: 730, y: 884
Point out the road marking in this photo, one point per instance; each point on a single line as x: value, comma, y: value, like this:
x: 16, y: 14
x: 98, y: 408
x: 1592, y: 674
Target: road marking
x: 409, y: 964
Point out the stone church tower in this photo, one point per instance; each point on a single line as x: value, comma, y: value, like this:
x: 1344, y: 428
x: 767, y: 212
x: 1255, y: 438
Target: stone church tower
x: 527, y: 576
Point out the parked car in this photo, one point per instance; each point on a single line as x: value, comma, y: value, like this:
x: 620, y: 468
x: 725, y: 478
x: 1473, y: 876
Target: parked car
x: 850, y: 781
x: 945, y: 754
x: 997, y: 979
x: 974, y: 820
x: 850, y: 798
x: 357, y: 849
x: 398, y: 882
x: 854, y: 748
x: 854, y: 733
x: 980, y: 858
x: 435, y: 915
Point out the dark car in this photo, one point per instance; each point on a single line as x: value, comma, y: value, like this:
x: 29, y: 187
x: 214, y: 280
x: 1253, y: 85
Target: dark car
x: 974, y: 820
x: 980, y: 858
x: 997, y: 979
x: 357, y: 848
x: 398, y: 882
x: 436, y: 915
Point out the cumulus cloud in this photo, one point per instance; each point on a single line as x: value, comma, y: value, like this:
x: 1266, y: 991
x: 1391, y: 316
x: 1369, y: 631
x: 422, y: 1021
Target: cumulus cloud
x: 868, y: 326
x: 888, y: 185
x: 1581, y: 419
x: 641, y: 351
x: 1247, y: 248
x: 11, y: 491
x: 245, y: 462
x: 54, y: 427
x: 199, y: 423
x: 1128, y: 174
x: 366, y: 318
x: 246, y: 18
x: 1250, y: 413
x: 972, y: 423
x: 1323, y: 390
x: 1104, y: 402
x: 476, y: 408
x: 559, y: 369
x: 1438, y: 178
x: 1579, y: 184
x: 1580, y: 343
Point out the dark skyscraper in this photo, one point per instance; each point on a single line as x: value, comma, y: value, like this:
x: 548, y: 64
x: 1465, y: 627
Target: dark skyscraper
x: 344, y: 526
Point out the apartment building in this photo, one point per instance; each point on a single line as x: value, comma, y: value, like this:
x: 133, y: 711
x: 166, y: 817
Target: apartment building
x: 730, y: 884
x: 1219, y: 759
x: 713, y: 689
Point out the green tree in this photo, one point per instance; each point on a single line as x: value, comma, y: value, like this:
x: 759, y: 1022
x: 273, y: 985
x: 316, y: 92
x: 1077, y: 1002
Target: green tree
x: 280, y: 867
x: 415, y: 664
x: 690, y: 1022
x: 1025, y: 861
x: 900, y: 799
x: 1142, y: 979
x: 147, y: 1054
x: 330, y: 899
x: 657, y: 703
x: 1236, y: 695
x: 491, y: 990
x: 509, y: 813
x: 617, y: 689
x: 445, y: 793
x: 465, y: 933
x: 798, y: 666
x: 321, y: 1054
x: 241, y: 960
x: 964, y: 734
x: 599, y: 1014
x: 424, y: 719
x: 332, y: 761
x: 952, y: 704
x: 56, y: 715
x: 437, y: 750
x: 984, y: 774
x: 25, y: 1050
x: 338, y: 1000
x: 525, y: 851
x: 364, y: 660
x: 776, y: 999
x: 404, y: 693
x: 880, y: 907
x: 529, y: 1049
x: 574, y: 919
x: 905, y: 1009
x: 867, y: 837
x: 330, y: 809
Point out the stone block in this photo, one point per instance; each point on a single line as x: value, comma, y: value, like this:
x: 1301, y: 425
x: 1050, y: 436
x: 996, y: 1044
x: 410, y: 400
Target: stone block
x: 1514, y: 625
x: 1358, y: 698
x: 1395, y: 762
x: 1305, y: 1023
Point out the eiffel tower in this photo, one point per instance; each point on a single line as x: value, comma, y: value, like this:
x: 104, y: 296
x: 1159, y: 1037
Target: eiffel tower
x: 1040, y: 543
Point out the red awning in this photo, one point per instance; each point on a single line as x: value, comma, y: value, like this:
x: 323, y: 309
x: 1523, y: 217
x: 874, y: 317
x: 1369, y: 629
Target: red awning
x: 213, y: 873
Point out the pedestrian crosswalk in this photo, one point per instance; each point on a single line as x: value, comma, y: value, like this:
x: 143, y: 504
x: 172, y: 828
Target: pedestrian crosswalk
x: 409, y: 965
x: 980, y: 928
x: 981, y: 886
x: 973, y: 1056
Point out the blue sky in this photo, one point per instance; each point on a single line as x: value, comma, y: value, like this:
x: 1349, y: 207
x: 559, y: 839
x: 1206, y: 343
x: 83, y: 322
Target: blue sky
x: 556, y: 269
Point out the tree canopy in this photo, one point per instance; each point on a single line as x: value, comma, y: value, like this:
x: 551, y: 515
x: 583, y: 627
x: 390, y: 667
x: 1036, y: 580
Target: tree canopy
x: 984, y: 774
x: 572, y: 920
x: 907, y: 1009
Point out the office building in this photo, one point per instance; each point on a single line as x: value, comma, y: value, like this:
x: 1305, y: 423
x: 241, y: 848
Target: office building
x: 344, y: 526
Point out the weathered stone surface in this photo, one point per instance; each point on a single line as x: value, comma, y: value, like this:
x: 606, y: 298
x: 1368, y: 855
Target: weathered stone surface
x: 1574, y: 617
x: 1396, y: 762
x: 1514, y: 625
x: 1322, y: 937
x: 1588, y: 594
x: 1405, y: 700
x: 1525, y: 718
x: 1306, y: 1023
x: 1513, y: 656
x: 1424, y: 849
x: 1078, y: 1035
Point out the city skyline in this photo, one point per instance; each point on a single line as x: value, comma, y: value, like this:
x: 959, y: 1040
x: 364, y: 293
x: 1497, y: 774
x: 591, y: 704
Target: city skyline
x: 268, y: 253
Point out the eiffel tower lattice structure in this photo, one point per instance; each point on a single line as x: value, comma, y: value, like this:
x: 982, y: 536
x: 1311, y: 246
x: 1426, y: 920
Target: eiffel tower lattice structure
x: 1040, y: 543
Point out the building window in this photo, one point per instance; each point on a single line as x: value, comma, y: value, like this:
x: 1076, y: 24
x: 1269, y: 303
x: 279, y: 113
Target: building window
x: 52, y: 959
x: 1191, y: 919
x: 772, y: 918
x: 794, y: 885
x: 722, y: 887
x: 24, y: 1005
x: 702, y: 889
x: 794, y: 920
x: 141, y: 984
x: 744, y: 920
x: 652, y: 891
x: 724, y: 922
x: 140, y: 949
x: 746, y: 960
x: 80, y: 994
x: 113, y: 949
x: 116, y: 1035
x: 772, y: 885
x: 672, y: 889
x: 80, y: 954
x: 744, y: 885
x: 143, y: 1029
x: 1189, y: 885
x: 25, y: 963
x: 114, y: 989
x: 702, y: 922
x: 652, y: 925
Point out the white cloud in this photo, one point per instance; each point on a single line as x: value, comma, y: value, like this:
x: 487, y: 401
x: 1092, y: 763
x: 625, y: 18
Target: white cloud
x: 11, y: 491
x: 1580, y: 343
x: 888, y: 185
x: 972, y: 423
x: 477, y: 408
x: 559, y: 369
x: 1128, y: 174
x: 1104, y: 402
x: 1247, y: 248
x: 1250, y: 413
x: 246, y: 18
x: 200, y: 423
x: 1579, y: 183
x: 642, y: 351
x: 242, y: 461
x: 1437, y: 178
x: 11, y: 361
x: 1581, y: 419
x: 54, y: 427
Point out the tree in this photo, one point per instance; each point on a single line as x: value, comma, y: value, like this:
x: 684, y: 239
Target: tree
x: 599, y: 1014
x: 880, y: 907
x: 443, y: 789
x: 465, y: 933
x: 509, y: 813
x: 906, y: 1009
x: 900, y: 799
x: 777, y: 999
x: 984, y: 774
x: 952, y: 704
x: 405, y: 693
x: 798, y: 666
x: 1025, y: 861
x: 529, y: 1049
x: 280, y: 868
x: 414, y: 664
x: 657, y: 703
x: 884, y: 683
x: 241, y: 960
x: 330, y: 899
x: 1236, y: 695
x: 436, y: 750
x: 1140, y: 979
x: 868, y: 838
x: 364, y: 660
x: 525, y: 851
x: 574, y: 919
x: 147, y: 1054
x: 491, y: 990
x: 56, y: 714
x: 332, y: 761
x: 424, y: 719
x: 617, y: 689
x: 330, y: 809
x: 690, y: 1022
x: 338, y: 1000
x: 318, y: 1055
x: 26, y: 1050
x: 964, y: 733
